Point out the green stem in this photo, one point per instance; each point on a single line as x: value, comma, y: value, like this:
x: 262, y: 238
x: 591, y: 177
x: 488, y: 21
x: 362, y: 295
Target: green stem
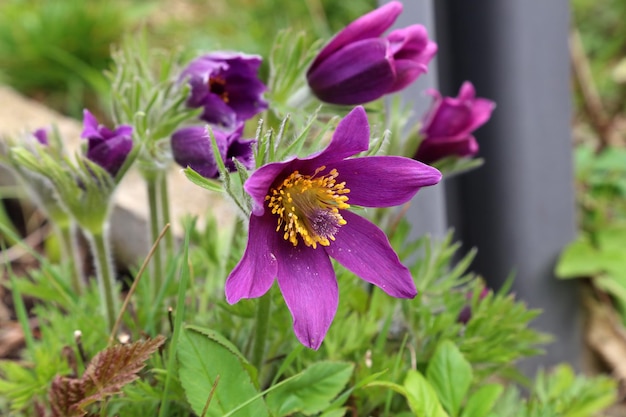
x: 104, y: 267
x: 157, y: 262
x: 260, y: 333
x: 67, y: 235
x: 165, y: 211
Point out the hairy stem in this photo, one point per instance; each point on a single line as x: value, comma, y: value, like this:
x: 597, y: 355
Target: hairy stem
x: 155, y: 221
x: 101, y: 250
x: 165, y: 212
x: 67, y: 235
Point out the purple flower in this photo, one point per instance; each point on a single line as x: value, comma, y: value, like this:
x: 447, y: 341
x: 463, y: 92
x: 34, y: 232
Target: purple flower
x: 41, y: 135
x: 358, y: 65
x: 448, y: 125
x: 107, y: 148
x: 227, y: 86
x: 191, y: 147
x: 300, y: 219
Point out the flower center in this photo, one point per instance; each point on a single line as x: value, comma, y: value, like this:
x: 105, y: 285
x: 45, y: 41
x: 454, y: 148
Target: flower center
x: 217, y: 85
x: 308, y: 206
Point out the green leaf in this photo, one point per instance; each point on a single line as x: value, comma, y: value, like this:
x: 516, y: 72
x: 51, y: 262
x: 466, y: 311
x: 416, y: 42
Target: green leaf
x: 200, y: 181
x: 421, y: 396
x: 612, y: 238
x: 483, y: 400
x: 340, y: 412
x: 312, y: 390
x: 579, y: 259
x: 450, y: 375
x: 204, y: 355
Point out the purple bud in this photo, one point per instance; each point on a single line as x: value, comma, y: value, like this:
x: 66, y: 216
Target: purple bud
x: 41, y: 135
x: 448, y: 126
x: 191, y: 147
x: 360, y: 65
x: 466, y: 313
x: 227, y: 86
x: 107, y: 148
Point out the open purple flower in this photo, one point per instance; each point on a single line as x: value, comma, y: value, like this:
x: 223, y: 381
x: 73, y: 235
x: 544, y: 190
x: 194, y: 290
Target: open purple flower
x: 300, y: 219
x: 107, y: 148
x: 359, y: 65
x: 449, y: 124
x: 191, y: 147
x: 227, y: 86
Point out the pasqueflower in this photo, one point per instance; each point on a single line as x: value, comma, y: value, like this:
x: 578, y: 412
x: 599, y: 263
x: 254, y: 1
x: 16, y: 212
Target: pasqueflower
x: 191, y: 147
x: 301, y: 219
x: 107, y: 148
x: 449, y: 124
x: 227, y: 86
x: 359, y: 65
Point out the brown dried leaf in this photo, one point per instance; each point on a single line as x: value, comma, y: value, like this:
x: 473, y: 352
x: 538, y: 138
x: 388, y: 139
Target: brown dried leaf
x: 107, y: 373
x: 606, y: 336
x: 64, y: 394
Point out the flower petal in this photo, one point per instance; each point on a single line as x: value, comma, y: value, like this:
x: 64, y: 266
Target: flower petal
x: 110, y: 154
x: 358, y: 73
x: 432, y: 150
x: 307, y: 281
x: 241, y: 150
x: 384, y: 181
x: 90, y: 125
x: 370, y: 25
x: 363, y: 248
x: 412, y: 52
x: 217, y: 112
x: 41, y: 135
x: 260, y: 181
x: 457, y: 117
x: 351, y: 136
x: 191, y: 147
x: 245, y: 90
x: 254, y: 274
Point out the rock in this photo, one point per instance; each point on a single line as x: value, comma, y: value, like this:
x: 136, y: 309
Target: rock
x: 129, y: 222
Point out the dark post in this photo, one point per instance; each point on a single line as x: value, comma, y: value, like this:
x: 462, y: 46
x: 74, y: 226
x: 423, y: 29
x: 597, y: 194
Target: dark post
x: 518, y: 209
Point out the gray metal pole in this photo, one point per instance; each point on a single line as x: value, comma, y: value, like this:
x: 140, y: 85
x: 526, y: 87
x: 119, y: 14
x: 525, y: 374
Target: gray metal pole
x: 427, y: 212
x: 518, y: 209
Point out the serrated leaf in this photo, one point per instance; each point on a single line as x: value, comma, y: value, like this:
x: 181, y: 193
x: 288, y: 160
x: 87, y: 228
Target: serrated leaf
x: 482, y: 401
x: 200, y: 181
x: 450, y: 375
x: 107, y: 373
x: 64, y: 394
x: 421, y: 396
x: 204, y: 355
x: 312, y: 390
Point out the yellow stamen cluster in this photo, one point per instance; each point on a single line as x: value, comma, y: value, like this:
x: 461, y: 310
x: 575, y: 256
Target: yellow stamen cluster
x: 308, y: 206
x: 217, y: 86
